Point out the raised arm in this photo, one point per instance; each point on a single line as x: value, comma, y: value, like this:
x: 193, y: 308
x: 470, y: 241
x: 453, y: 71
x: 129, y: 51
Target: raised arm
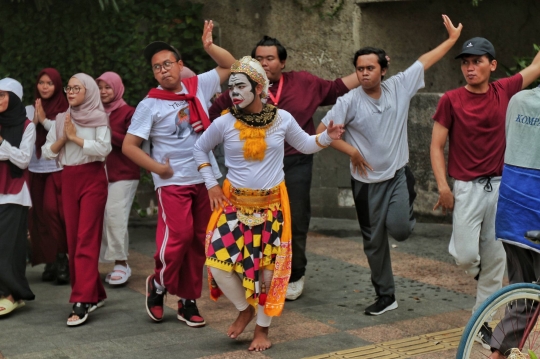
x: 430, y: 58
x: 531, y: 72
x: 438, y: 163
x: 222, y: 57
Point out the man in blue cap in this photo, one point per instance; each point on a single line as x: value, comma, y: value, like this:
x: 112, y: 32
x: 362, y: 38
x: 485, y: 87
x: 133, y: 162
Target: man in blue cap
x: 472, y: 118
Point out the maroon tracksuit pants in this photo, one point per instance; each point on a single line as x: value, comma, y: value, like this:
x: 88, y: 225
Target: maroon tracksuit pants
x: 183, y: 214
x: 84, y: 195
x: 46, y: 217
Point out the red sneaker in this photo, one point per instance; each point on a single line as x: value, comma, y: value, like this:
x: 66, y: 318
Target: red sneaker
x: 189, y: 313
x: 154, y: 301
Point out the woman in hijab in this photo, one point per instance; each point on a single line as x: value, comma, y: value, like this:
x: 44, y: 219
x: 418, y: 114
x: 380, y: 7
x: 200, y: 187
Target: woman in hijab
x: 123, y: 177
x: 46, y: 224
x: 17, y: 136
x: 80, y: 140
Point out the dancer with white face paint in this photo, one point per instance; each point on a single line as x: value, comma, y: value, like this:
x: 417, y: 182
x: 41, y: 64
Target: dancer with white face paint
x: 248, y: 241
x: 241, y: 90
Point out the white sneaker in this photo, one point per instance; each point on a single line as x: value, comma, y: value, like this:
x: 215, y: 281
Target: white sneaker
x: 295, y: 289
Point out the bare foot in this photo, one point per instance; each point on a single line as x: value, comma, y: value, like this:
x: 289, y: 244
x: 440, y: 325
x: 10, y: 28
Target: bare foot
x: 260, y: 340
x: 241, y: 322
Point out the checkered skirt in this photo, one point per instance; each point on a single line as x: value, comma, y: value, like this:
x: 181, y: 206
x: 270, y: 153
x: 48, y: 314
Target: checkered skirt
x: 237, y: 247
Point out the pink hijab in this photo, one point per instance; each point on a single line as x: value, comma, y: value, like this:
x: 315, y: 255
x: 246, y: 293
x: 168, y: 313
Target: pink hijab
x: 113, y: 79
x: 88, y: 114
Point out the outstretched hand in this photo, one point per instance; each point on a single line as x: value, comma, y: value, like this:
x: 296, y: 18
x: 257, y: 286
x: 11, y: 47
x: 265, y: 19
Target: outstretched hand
x: 453, y: 32
x: 207, y: 39
x: 334, y: 132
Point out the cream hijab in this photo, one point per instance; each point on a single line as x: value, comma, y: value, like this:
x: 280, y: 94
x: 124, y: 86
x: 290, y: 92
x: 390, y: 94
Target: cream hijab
x: 88, y: 114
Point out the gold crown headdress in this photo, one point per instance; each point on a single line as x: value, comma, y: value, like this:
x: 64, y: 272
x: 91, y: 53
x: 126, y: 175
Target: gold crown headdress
x: 254, y: 70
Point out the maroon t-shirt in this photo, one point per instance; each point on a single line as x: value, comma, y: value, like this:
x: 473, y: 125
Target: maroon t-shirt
x: 301, y: 94
x: 476, y: 128
x: 119, y: 167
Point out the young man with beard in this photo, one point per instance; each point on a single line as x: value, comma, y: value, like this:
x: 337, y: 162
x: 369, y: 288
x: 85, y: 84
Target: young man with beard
x: 375, y: 119
x: 249, y: 234
x: 172, y: 118
x: 284, y: 93
x: 472, y: 118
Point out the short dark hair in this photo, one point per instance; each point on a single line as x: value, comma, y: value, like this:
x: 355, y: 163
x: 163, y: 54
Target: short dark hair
x: 381, y: 54
x: 271, y: 41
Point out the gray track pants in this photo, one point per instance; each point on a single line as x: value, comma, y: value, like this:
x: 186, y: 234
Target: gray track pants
x: 384, y: 208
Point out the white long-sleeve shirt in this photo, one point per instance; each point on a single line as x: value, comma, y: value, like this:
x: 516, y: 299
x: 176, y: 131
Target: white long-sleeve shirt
x: 263, y: 174
x: 20, y: 157
x: 41, y: 165
x: 97, y: 145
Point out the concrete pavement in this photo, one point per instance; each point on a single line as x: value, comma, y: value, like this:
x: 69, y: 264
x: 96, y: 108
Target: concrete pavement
x: 432, y: 294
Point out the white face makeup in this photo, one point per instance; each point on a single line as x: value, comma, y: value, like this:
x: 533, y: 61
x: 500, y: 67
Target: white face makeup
x: 241, y: 90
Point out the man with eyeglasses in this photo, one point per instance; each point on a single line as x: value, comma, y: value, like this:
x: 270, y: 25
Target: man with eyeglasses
x: 172, y: 118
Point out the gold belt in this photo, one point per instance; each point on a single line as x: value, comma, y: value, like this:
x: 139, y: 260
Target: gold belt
x: 251, y: 204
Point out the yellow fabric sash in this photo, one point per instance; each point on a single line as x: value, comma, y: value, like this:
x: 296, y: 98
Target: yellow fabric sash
x: 282, y: 268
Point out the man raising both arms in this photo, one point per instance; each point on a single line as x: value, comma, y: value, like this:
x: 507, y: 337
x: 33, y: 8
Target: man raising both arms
x: 473, y: 119
x: 284, y: 93
x: 375, y: 119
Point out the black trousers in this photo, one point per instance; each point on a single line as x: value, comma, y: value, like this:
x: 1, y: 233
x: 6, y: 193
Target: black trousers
x: 13, y: 245
x: 297, y: 170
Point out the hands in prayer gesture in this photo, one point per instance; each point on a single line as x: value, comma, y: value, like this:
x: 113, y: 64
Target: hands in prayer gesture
x: 70, y: 132
x: 39, y: 114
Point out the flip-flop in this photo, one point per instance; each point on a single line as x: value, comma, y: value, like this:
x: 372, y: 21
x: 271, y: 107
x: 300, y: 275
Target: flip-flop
x: 97, y: 305
x: 7, y: 305
x: 124, y: 272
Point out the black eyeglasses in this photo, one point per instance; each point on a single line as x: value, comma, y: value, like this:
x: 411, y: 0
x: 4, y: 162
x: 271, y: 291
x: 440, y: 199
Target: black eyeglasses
x: 75, y: 89
x: 166, y: 65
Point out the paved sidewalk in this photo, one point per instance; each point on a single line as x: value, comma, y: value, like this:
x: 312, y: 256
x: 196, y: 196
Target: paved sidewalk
x: 432, y: 294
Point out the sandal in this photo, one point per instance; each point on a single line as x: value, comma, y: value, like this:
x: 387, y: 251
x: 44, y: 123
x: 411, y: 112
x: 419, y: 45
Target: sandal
x: 97, y: 305
x: 7, y: 306
x: 80, y: 310
x: 124, y: 272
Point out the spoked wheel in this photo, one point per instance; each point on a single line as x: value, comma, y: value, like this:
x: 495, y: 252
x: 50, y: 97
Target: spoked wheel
x: 510, y: 312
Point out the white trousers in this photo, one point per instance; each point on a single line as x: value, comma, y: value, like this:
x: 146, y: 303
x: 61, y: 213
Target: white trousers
x: 115, y: 242
x: 230, y: 284
x: 473, y: 244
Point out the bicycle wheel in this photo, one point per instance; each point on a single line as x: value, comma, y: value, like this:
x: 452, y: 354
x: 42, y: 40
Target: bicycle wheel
x: 516, y: 304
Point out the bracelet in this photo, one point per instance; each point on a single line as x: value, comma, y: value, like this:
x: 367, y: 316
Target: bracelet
x: 206, y: 164
x: 317, y: 141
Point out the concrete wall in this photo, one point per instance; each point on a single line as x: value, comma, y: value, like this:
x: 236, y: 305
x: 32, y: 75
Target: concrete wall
x: 405, y: 29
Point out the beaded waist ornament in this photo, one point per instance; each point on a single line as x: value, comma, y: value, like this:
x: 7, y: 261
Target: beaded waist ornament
x: 252, y: 204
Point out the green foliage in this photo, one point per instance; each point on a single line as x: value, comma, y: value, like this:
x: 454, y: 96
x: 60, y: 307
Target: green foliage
x: 77, y: 36
x: 476, y: 2
x: 521, y: 63
x: 532, y: 355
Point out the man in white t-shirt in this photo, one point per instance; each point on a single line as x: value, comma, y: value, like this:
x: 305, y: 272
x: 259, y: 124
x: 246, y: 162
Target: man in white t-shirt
x: 172, y: 118
x: 375, y: 119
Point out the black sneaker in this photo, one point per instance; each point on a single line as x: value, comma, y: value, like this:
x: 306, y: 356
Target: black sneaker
x: 154, y: 300
x: 189, y: 313
x: 484, y: 336
x: 383, y: 304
